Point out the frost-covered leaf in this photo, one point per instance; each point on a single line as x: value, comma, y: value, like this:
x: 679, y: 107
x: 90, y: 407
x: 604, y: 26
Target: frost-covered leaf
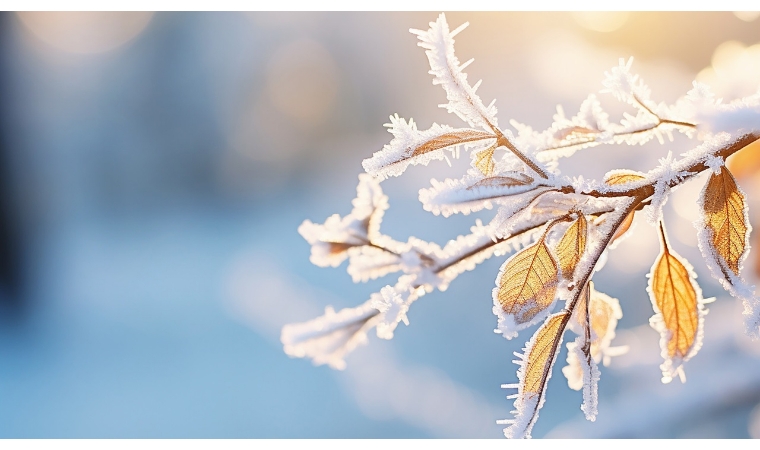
x: 535, y: 363
x: 725, y: 215
x: 450, y: 139
x: 567, y: 135
x: 484, y: 162
x: 723, y: 236
x: 438, y: 43
x: 625, y: 225
x: 525, y: 288
x: 329, y: 338
x: 473, y: 193
x: 413, y: 146
x: 678, y: 306
x: 368, y: 263
x: 509, y: 179
x: 572, y: 245
x: 340, y: 237
x: 623, y: 177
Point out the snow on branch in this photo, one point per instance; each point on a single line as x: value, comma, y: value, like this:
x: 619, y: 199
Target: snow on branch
x: 559, y: 229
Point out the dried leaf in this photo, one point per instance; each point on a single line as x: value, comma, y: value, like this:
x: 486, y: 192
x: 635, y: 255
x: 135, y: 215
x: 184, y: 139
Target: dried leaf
x: 484, y: 160
x: 723, y: 205
x: 572, y: 245
x: 677, y: 302
x: 622, y: 177
x: 338, y: 247
x: 450, y: 139
x: 527, y: 283
x: 534, y: 373
x: 511, y: 180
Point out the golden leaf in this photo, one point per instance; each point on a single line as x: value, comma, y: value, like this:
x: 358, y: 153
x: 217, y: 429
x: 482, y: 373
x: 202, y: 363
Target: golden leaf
x: 677, y: 302
x: 449, y: 139
x: 484, y: 160
x: 541, y: 352
x: 622, y: 177
x: 534, y: 373
x: 572, y: 245
x: 723, y: 206
x: 513, y: 179
x: 624, y: 226
x: 528, y: 282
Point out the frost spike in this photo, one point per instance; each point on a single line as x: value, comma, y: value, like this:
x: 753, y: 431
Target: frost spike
x: 447, y: 71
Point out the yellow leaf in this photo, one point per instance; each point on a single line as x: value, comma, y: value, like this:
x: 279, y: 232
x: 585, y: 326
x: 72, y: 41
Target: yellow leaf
x: 484, y: 160
x: 724, y: 210
x: 534, y: 373
x: 622, y: 177
x: 513, y: 179
x: 540, y: 353
x: 527, y: 283
x: 450, y: 139
x: 571, y: 247
x: 677, y: 302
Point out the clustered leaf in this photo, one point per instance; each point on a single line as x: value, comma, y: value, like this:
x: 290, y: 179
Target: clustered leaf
x: 560, y: 228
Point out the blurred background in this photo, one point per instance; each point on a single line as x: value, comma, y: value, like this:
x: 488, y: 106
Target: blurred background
x: 154, y: 169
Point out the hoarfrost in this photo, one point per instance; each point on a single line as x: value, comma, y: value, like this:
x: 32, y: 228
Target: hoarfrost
x: 340, y: 237
x: 583, y: 373
x: 412, y: 146
x: 438, y: 43
x: 393, y: 309
x: 732, y: 283
x: 673, y: 366
x: 527, y: 404
x: 330, y: 337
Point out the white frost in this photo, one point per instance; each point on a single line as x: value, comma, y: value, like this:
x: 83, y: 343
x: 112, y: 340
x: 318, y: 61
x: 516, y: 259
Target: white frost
x: 330, y: 337
x: 438, y: 43
x: 397, y: 155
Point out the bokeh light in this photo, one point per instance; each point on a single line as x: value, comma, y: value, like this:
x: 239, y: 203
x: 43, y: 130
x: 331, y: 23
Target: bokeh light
x: 85, y: 32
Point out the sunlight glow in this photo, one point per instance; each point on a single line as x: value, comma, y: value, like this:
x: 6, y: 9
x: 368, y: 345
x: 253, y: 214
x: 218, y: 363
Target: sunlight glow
x: 601, y: 21
x: 85, y: 32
